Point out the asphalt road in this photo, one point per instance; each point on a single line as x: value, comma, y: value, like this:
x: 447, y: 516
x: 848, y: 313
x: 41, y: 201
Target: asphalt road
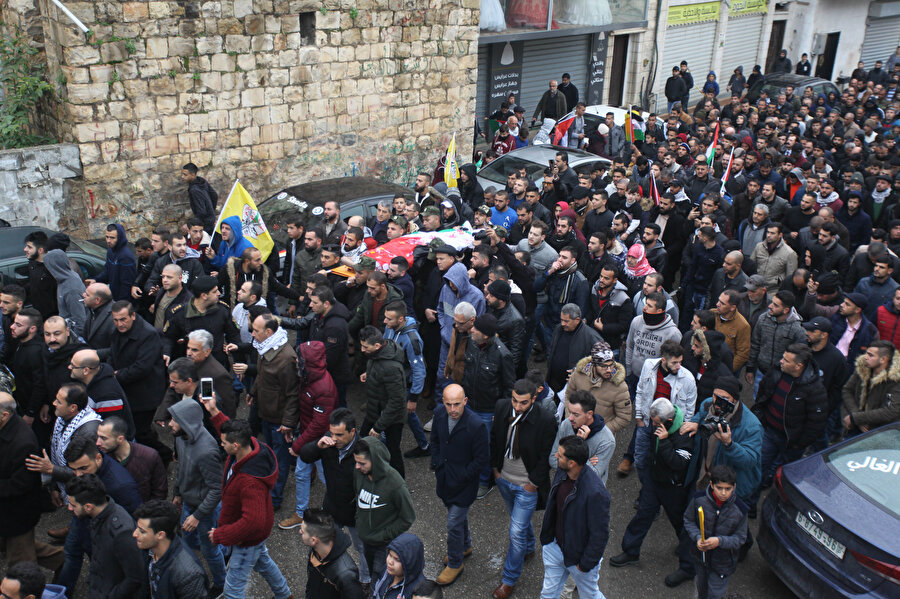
x: 489, y: 525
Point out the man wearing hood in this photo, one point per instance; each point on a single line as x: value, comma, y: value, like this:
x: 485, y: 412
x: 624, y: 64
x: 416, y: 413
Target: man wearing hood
x: 120, y: 269
x: 198, y: 484
x: 331, y: 572
x: 704, y: 360
x: 246, y: 516
x: 25, y: 580
x: 69, y: 289
x: 384, y: 508
x: 385, y: 381
x: 202, y: 196
x: 782, y: 64
x: 106, y: 395
x: 232, y: 244
x: 771, y: 336
x: 584, y: 423
x: 471, y: 190
x: 180, y: 255
x: 403, y: 574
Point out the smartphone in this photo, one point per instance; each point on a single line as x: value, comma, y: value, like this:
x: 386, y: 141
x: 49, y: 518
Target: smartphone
x: 206, y: 388
x: 552, y: 163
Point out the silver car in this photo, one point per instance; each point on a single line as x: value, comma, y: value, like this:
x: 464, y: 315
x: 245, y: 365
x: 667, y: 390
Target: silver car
x: 534, y: 159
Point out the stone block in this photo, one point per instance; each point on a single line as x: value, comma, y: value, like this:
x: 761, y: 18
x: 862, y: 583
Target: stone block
x: 209, y: 45
x: 240, y: 118
x: 157, y: 47
x: 109, y: 151
x: 181, y: 46
x: 163, y: 86
x: 290, y: 23
x: 211, y: 10
x: 132, y: 149
x: 162, y: 145
x: 135, y: 11
x: 167, y: 104
x: 237, y: 43
x: 105, y: 172
x: 242, y: 8
x: 100, y: 73
x: 113, y: 52
x: 230, y: 27
x: 211, y: 81
x: 255, y: 24
x: 148, y: 128
x: 253, y: 97
x: 10, y: 161
x: 88, y: 93
x: 121, y: 111
x: 97, y: 131
x: 261, y: 115
x: 31, y: 176
x: 330, y: 20
x: 79, y: 56
x: 247, y: 62
x: 273, y: 24
x: 262, y: 43
x: 89, y: 152
x: 61, y: 171
x: 159, y: 10
x: 76, y: 75
x: 249, y: 136
x: 222, y: 62
x: 189, y: 142
x: 174, y: 124
x: 127, y: 70
x: 217, y: 119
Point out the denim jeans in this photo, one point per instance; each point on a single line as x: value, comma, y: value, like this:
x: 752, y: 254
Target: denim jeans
x: 556, y: 573
x: 244, y: 559
x: 276, y: 441
x: 756, y: 380
x: 360, y: 549
x: 199, y: 539
x: 775, y: 453
x: 302, y: 476
x: 643, y: 438
x: 415, y: 426
x: 520, y: 504
x: 488, y: 419
x: 78, y: 542
x: 375, y: 556
x: 458, y: 537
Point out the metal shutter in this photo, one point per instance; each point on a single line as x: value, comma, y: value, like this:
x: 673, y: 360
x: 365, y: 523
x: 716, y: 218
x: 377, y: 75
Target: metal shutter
x: 693, y: 43
x: 481, y: 88
x: 741, y: 46
x: 549, y: 58
x: 882, y: 38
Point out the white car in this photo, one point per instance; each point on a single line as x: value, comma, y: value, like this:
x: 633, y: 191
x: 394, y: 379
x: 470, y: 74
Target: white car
x: 534, y: 159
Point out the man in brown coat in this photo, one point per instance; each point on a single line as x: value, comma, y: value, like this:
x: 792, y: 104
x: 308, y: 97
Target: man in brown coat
x: 275, y: 389
x: 604, y: 379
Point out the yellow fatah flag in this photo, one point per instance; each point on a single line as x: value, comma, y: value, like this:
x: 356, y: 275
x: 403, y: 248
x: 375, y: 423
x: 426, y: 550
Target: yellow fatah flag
x: 240, y: 204
x: 451, y: 167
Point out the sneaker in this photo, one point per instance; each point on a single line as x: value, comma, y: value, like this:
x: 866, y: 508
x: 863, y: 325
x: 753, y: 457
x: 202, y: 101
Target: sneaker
x: 466, y: 554
x: 293, y: 522
x: 624, y: 559
x: 448, y: 575
x: 427, y: 426
x: 417, y: 452
x: 677, y: 577
x: 483, y: 490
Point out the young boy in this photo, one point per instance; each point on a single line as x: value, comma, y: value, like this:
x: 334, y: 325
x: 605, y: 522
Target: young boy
x: 715, y: 556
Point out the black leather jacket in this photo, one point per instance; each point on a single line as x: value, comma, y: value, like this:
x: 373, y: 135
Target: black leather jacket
x: 511, y: 331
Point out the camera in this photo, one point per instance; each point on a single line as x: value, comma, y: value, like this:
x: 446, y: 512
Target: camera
x: 710, y: 426
x: 479, y: 235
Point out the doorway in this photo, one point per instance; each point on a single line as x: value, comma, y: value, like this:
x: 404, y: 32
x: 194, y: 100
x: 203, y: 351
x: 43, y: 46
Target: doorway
x: 617, y: 70
x: 825, y: 60
x: 776, y: 43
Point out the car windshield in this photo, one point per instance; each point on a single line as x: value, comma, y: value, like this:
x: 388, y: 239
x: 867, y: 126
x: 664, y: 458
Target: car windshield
x: 871, y: 465
x: 496, y: 171
x: 276, y: 211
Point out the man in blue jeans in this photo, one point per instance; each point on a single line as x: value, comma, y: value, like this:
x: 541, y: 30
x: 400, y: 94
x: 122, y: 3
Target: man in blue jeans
x: 459, y: 452
x: 198, y: 484
x: 522, y: 437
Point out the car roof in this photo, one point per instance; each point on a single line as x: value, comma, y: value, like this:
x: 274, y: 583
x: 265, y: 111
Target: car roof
x: 13, y: 238
x: 793, y: 79
x: 538, y: 152
x: 341, y: 189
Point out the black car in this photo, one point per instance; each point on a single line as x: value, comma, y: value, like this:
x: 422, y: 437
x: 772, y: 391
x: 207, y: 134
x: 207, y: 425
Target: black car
x: 774, y: 84
x: 90, y: 258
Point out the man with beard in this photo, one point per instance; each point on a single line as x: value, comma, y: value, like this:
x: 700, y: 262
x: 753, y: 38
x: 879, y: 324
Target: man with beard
x: 595, y: 257
x: 423, y: 192
x: 797, y: 217
x: 599, y: 217
x: 144, y: 464
x: 60, y: 346
x: 250, y: 267
x: 654, y: 247
x: 12, y: 298
x: 565, y: 236
x: 26, y: 363
x: 41, y: 286
x: 611, y: 309
x: 307, y: 261
x: 353, y: 246
x: 180, y: 255
x: 335, y: 227
x: 174, y: 292
x: 673, y: 234
x: 564, y: 284
x: 742, y: 204
x: 879, y: 287
x: 777, y: 205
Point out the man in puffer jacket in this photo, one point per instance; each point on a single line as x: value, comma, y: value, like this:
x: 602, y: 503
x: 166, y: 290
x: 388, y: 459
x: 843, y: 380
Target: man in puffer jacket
x: 773, y: 332
x: 888, y: 320
x: 331, y: 572
x: 604, y: 379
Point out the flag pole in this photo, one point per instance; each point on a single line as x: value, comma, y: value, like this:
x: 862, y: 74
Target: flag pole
x: 222, y: 211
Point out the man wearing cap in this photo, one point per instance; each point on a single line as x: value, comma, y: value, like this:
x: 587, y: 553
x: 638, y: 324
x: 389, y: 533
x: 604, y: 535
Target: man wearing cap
x: 510, y: 323
x: 488, y: 376
x: 754, y: 303
x: 431, y: 218
x: 851, y: 331
x: 203, y: 311
x: 397, y: 226
x: 599, y: 374
x: 351, y: 291
x: 481, y: 218
x: 833, y: 369
x: 331, y: 259
x: 449, y: 217
x: 879, y: 287
x: 792, y: 406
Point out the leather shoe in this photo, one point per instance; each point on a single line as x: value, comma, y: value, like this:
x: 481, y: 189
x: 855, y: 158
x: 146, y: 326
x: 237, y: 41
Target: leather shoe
x: 625, y: 467
x: 503, y: 591
x: 677, y: 577
x: 58, y: 533
x: 624, y: 559
x: 529, y: 555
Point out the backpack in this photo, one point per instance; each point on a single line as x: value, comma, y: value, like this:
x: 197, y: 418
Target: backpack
x: 412, y: 332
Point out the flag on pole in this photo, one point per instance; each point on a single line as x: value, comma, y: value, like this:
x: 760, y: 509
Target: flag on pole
x: 562, y: 129
x: 240, y: 204
x: 634, y: 126
x: 727, y: 173
x: 711, y: 150
x: 654, y: 192
x: 451, y: 166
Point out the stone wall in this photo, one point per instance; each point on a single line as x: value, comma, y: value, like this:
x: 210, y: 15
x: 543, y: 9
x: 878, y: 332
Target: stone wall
x: 37, y: 184
x: 274, y: 92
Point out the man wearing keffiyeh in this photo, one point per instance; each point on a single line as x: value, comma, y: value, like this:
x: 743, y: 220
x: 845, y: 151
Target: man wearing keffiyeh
x: 522, y: 436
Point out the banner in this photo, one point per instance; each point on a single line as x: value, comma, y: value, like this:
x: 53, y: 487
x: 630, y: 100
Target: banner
x: 240, y: 204
x: 747, y: 7
x: 693, y: 13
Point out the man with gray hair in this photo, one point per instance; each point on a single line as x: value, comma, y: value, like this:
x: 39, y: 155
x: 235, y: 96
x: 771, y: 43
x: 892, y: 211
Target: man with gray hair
x: 572, y: 340
x: 753, y: 230
x: 199, y: 350
x: 663, y: 485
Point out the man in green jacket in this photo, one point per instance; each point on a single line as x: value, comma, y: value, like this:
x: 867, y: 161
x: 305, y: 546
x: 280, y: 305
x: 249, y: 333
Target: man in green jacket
x: 384, y: 507
x: 385, y: 380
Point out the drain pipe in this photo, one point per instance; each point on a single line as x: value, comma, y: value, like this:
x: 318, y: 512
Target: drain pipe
x: 71, y: 16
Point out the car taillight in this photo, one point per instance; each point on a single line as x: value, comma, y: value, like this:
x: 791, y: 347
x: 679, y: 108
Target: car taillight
x: 779, y: 485
x: 889, y: 571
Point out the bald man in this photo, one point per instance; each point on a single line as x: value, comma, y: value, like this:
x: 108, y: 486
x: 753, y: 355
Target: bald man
x: 457, y: 461
x: 105, y: 394
x: 99, y: 326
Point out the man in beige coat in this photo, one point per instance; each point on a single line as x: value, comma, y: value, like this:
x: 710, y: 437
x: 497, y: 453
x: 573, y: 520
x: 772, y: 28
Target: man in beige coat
x: 775, y: 260
x: 604, y: 379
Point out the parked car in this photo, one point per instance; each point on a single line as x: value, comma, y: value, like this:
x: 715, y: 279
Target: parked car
x: 534, y: 159
x: 830, y: 528
x: 90, y: 257
x: 774, y: 84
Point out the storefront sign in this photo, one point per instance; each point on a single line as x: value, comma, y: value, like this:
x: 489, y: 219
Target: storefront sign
x: 597, y: 68
x: 748, y: 7
x: 506, y: 73
x: 693, y: 13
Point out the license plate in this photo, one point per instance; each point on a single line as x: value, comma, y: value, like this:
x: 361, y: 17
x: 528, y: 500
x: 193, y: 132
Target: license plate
x: 834, y: 547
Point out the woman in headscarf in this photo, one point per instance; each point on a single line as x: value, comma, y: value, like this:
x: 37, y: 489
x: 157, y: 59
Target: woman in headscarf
x: 814, y: 257
x: 636, y: 268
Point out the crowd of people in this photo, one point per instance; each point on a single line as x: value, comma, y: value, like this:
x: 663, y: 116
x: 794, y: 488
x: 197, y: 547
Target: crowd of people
x: 749, y: 250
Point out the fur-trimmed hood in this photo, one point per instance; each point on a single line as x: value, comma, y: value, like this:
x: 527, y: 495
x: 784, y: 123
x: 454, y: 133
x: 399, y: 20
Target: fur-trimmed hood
x: 891, y: 375
x: 231, y: 267
x: 584, y: 366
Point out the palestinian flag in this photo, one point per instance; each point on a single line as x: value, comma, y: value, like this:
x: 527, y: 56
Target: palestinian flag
x: 711, y: 150
x: 405, y: 245
x: 727, y: 173
x: 562, y: 128
x: 654, y: 192
x: 634, y: 126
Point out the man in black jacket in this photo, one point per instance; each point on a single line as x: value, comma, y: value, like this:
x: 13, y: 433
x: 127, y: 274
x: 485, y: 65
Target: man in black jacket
x: 522, y: 436
x: 136, y: 356
x: 675, y: 89
x: 41, y: 286
x: 173, y: 569
x: 331, y: 572
x: 833, y: 369
x: 203, y: 311
x: 575, y: 530
x: 675, y: 234
x: 117, y: 564
x: 99, y: 327
x: 572, y: 340
x: 330, y: 326
x: 27, y: 363
x: 201, y: 195
x: 385, y: 384
x: 792, y: 406
x: 180, y: 255
x: 335, y: 450
x: 59, y: 347
x: 510, y: 324
x: 611, y: 310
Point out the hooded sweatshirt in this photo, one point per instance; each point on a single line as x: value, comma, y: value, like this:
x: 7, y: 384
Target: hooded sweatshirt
x: 199, y: 478
x: 234, y: 247
x: 384, y: 507
x: 472, y: 192
x: 645, y: 340
x: 448, y: 299
x: 600, y: 441
x: 69, y: 289
x: 411, y: 552
x: 121, y: 267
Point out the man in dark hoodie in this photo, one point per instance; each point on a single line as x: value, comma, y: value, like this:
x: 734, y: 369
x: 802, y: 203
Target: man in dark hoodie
x: 330, y: 570
x: 384, y: 505
x: 201, y: 195
x: 403, y: 572
x: 120, y: 269
x: 470, y: 189
x: 198, y: 483
x: 69, y: 290
x: 181, y: 255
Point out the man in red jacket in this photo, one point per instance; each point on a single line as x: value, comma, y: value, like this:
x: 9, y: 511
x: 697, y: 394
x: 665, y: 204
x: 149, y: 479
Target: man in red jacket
x: 247, y: 515
x: 316, y: 401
